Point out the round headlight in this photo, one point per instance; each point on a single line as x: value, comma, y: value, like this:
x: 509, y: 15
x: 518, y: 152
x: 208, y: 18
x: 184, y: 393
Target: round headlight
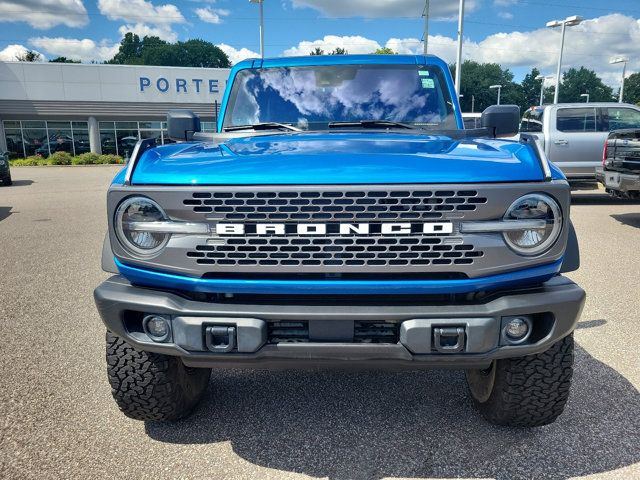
x: 534, y: 241
x: 130, y: 218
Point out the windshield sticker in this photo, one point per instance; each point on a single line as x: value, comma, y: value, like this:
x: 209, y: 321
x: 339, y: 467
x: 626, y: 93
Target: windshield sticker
x: 423, y: 73
x: 428, y: 83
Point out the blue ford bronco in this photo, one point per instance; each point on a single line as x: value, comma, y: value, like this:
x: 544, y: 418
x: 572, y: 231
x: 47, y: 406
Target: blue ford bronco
x: 341, y: 216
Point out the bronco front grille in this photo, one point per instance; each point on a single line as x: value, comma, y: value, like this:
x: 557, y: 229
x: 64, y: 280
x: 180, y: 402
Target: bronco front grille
x: 334, y: 205
x: 335, y: 251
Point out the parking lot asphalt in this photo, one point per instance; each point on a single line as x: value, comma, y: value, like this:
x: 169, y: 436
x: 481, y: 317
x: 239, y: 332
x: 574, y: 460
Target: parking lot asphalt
x: 58, y: 419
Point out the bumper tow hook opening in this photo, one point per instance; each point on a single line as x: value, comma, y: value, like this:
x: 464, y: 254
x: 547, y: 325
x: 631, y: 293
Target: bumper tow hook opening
x: 220, y: 339
x: 449, y: 340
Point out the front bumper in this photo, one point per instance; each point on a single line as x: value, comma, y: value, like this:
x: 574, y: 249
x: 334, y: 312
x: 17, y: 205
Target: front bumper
x: 554, y: 306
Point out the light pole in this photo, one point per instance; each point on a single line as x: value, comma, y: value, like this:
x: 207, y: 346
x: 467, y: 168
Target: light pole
x: 567, y: 22
x: 543, y: 78
x: 499, y: 87
x: 426, y: 26
x: 586, y: 95
x: 624, y: 61
x: 459, y: 53
x: 261, y: 5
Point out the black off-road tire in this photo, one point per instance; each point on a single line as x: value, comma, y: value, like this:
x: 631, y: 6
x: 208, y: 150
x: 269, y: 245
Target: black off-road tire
x: 526, y: 391
x: 7, y: 181
x: 152, y: 386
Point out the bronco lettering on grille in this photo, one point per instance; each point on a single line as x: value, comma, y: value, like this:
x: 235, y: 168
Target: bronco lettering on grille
x: 354, y: 229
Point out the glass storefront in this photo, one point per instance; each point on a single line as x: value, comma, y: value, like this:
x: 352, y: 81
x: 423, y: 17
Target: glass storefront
x: 39, y: 137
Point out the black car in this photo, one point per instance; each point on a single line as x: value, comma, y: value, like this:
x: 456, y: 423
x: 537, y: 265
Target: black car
x: 5, y: 173
x: 620, y: 172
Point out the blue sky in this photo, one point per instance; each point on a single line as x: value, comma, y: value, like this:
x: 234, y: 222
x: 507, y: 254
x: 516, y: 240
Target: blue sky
x: 510, y: 32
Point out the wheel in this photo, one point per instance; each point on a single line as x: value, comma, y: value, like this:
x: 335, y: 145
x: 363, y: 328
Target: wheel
x: 152, y: 386
x: 7, y: 181
x: 526, y: 391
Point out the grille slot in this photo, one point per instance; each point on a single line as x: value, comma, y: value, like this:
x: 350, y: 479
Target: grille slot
x: 365, y: 205
x: 376, y: 332
x: 288, y: 332
x: 335, y: 251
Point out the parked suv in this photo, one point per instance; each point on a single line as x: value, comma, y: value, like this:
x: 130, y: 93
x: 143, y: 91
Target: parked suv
x: 341, y: 216
x: 572, y: 134
x: 5, y: 172
x: 620, y: 171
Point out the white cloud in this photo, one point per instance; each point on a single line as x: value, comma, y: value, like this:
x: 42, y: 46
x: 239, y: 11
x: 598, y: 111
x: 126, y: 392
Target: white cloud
x: 385, y: 8
x: 211, y: 15
x: 143, y: 17
x: 590, y: 44
x: 76, y: 49
x: 353, y: 44
x: 143, y: 30
x: 140, y: 11
x: 44, y: 14
x: 12, y: 52
x: 236, y: 55
x: 506, y: 15
x: 505, y: 3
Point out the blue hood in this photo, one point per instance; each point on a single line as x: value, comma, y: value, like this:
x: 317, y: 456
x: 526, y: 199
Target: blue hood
x: 338, y: 158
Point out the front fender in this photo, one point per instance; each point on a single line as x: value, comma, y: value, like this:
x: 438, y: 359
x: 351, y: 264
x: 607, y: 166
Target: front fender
x: 571, y: 261
x: 108, y: 263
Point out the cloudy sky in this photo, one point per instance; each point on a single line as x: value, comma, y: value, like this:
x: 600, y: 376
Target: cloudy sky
x: 510, y: 32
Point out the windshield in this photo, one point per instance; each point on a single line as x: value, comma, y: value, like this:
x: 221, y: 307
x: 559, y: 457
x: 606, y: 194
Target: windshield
x: 312, y: 97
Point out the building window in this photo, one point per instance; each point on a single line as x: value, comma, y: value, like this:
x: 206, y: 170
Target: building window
x: 39, y: 137
x: 34, y: 138
x: 60, y: 137
x: 42, y: 138
x: 127, y: 136
x: 80, y: 137
x: 13, y: 138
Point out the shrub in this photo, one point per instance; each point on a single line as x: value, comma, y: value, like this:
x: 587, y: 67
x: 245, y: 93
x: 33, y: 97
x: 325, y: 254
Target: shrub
x: 111, y: 159
x: 86, y: 159
x: 32, y: 161
x: 64, y: 158
x: 60, y: 158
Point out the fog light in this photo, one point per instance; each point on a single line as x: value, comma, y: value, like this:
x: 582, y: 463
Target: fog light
x: 517, y: 328
x: 156, y: 327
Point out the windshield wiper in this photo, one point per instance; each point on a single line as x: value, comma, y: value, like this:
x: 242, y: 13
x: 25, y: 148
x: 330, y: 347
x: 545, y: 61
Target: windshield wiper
x: 263, y: 126
x: 373, y: 124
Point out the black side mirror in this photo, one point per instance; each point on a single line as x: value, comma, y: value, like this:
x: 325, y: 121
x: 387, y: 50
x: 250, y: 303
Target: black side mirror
x: 501, y: 120
x: 182, y: 124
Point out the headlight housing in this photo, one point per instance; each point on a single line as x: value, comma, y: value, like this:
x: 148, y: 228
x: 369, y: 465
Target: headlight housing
x: 130, y: 217
x: 534, y: 241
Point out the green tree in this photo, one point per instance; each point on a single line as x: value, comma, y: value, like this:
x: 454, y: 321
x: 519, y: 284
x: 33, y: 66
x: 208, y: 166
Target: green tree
x: 476, y: 80
x: 578, y: 81
x: 155, y: 51
x: 632, y: 89
x: 200, y: 53
x: 339, y: 51
x: 531, y: 88
x: 29, y: 56
x: 130, y: 51
x: 385, y: 51
x: 316, y: 52
x: 63, y: 60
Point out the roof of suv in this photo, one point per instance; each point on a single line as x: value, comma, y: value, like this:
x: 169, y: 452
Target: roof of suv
x: 590, y: 104
x: 339, y: 60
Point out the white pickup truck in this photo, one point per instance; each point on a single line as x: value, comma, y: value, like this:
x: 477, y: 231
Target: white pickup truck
x: 573, y: 134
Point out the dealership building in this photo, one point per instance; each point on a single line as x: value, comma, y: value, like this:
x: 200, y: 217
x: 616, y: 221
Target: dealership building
x: 78, y: 108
